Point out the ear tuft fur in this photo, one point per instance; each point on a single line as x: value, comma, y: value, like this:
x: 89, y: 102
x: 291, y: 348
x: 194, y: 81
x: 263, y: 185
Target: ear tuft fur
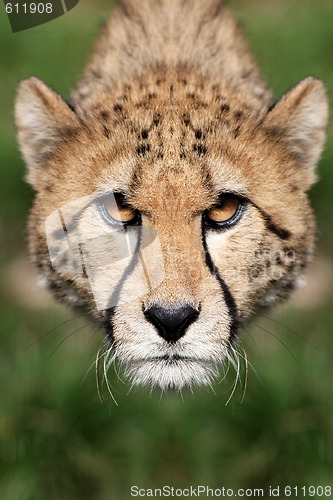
x: 41, y: 116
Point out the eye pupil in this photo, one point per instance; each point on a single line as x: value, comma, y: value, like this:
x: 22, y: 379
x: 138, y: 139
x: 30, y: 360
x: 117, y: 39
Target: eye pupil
x: 117, y: 211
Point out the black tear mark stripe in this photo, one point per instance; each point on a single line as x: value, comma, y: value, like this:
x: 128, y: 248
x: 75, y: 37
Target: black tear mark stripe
x: 282, y: 233
x: 109, y: 313
x: 229, y: 300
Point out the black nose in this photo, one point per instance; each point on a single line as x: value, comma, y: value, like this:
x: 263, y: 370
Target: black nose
x: 171, y: 323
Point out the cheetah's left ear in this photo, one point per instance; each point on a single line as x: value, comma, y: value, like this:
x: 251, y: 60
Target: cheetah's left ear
x: 299, y: 119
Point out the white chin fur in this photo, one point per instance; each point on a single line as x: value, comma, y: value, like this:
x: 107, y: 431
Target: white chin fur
x: 171, y: 374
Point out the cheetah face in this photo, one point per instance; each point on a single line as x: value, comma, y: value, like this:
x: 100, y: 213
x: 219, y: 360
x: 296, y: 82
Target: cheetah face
x: 170, y: 210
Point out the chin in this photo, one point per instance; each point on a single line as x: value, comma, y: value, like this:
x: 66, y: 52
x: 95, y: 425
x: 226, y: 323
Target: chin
x: 169, y: 373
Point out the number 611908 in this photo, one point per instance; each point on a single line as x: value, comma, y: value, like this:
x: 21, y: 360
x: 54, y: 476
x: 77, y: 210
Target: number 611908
x: 32, y: 8
x: 317, y: 491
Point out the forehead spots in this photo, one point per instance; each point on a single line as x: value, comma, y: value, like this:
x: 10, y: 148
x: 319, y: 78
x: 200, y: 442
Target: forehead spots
x: 199, y: 149
x: 143, y: 149
x: 118, y: 108
x: 173, y: 128
x: 236, y: 132
x: 105, y: 115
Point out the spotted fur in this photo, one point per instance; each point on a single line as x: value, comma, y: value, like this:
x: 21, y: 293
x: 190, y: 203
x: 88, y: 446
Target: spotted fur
x: 172, y: 112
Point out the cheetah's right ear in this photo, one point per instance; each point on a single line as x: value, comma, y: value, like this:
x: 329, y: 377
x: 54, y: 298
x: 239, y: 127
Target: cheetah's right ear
x: 41, y: 117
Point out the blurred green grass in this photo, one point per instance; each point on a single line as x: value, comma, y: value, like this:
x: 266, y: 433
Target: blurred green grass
x: 56, y: 440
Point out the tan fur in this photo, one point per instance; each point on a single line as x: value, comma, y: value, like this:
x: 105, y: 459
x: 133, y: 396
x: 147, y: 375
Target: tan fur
x: 171, y: 111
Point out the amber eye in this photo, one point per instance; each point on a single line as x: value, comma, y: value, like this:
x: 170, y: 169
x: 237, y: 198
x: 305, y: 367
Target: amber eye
x: 117, y: 211
x: 226, y: 212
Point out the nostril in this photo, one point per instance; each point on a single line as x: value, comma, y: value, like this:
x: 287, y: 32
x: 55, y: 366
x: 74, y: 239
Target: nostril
x: 171, y: 322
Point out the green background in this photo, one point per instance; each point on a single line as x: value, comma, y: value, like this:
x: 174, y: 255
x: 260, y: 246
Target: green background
x: 57, y: 441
